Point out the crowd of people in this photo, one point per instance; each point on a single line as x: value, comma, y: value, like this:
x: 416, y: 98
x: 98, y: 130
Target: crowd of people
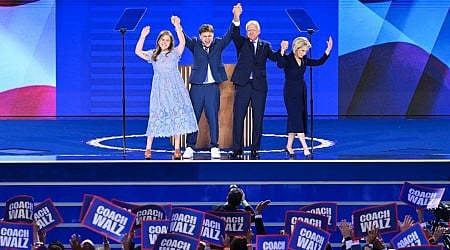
x: 236, y: 201
x: 174, y: 111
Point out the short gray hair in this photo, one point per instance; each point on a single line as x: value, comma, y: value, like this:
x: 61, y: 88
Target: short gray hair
x: 254, y: 22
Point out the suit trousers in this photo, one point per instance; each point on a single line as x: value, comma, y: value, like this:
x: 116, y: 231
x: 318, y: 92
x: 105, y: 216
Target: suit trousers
x: 243, y: 95
x: 205, y: 97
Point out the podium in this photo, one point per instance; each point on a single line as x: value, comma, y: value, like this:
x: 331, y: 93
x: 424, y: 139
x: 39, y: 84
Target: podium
x: 304, y: 23
x: 225, y: 114
x: 127, y: 22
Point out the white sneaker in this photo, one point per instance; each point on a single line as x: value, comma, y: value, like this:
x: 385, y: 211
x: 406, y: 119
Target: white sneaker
x: 188, y: 153
x: 215, y: 153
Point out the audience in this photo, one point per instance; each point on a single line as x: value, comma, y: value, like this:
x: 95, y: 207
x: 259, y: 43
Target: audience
x: 236, y: 201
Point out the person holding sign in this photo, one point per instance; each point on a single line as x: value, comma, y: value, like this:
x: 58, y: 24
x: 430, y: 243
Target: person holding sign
x: 294, y: 91
x: 171, y: 111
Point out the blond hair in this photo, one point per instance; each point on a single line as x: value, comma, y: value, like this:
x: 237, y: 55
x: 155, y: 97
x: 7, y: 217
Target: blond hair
x: 300, y: 42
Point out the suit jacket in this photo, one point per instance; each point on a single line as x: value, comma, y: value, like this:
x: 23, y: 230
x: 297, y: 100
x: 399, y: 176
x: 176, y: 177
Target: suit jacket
x: 202, y: 58
x: 248, y: 62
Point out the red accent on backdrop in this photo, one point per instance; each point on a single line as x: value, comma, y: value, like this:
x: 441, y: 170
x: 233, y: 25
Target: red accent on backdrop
x: 31, y: 102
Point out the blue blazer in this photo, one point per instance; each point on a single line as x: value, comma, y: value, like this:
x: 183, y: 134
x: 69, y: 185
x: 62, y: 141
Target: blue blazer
x: 248, y: 62
x: 214, y: 58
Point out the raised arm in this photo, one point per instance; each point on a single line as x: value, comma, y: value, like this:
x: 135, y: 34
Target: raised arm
x: 237, y: 11
x: 140, y: 44
x: 284, y: 46
x: 236, y: 33
x: 176, y: 21
x: 323, y: 59
x: 281, y: 59
x: 229, y: 35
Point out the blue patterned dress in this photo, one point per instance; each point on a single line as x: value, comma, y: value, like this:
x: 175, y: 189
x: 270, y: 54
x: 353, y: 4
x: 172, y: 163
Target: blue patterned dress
x: 171, y: 111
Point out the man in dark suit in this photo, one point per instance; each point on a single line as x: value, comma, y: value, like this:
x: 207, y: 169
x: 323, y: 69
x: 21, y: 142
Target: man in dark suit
x: 250, y: 81
x: 208, y: 71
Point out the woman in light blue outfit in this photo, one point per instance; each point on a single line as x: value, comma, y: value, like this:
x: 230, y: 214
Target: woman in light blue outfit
x: 171, y: 112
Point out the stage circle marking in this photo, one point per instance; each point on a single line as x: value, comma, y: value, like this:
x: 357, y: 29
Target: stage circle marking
x: 98, y: 142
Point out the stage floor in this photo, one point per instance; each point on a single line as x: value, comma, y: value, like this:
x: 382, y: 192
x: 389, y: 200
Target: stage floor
x: 334, y: 139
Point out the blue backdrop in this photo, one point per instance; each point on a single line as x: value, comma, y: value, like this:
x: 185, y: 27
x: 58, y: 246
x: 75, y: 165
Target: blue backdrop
x: 89, y: 51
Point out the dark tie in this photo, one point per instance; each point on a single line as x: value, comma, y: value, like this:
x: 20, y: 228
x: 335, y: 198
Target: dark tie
x: 206, y: 49
x: 255, y: 45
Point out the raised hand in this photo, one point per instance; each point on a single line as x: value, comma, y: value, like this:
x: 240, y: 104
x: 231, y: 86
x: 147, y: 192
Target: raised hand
x: 176, y: 21
x: 407, y: 223
x: 75, y: 242
x: 345, y: 228
x: 329, y: 45
x: 284, y: 45
x: 145, y: 31
x: 237, y: 11
x: 260, y: 207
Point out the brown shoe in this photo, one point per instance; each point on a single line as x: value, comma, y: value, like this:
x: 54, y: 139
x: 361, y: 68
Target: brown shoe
x: 177, y: 154
x: 148, y: 154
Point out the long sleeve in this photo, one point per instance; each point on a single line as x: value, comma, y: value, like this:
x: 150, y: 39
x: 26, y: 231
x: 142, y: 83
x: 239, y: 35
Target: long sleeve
x: 317, y: 62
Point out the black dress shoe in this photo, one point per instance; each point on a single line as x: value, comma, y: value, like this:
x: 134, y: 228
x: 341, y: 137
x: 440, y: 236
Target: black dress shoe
x: 236, y: 154
x: 254, y: 154
x: 291, y: 155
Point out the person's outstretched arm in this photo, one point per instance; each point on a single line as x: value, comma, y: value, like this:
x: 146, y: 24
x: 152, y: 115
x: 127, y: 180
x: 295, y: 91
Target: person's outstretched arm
x: 176, y: 21
x: 236, y: 33
x: 140, y: 44
x: 323, y: 59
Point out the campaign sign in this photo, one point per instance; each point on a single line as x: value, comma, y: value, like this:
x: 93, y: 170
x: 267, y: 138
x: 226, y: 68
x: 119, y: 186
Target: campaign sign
x: 213, y: 229
x: 47, y: 216
x: 328, y: 209
x: 87, y: 198
x: 19, y: 209
x: 272, y: 241
x: 150, y: 229
x: 175, y: 241
x: 413, y: 236
x: 125, y: 205
x: 292, y: 216
x: 108, y: 219
x: 236, y: 223
x: 419, y: 196
x: 147, y: 212
x: 383, y: 217
x: 186, y: 221
x: 167, y: 208
x: 431, y: 247
x: 16, y: 235
x: 307, y: 236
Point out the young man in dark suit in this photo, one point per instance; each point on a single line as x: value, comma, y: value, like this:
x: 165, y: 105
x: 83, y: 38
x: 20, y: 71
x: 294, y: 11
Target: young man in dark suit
x: 208, y: 71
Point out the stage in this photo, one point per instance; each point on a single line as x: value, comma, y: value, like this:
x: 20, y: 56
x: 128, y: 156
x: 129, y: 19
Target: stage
x: 357, y: 163
x: 334, y: 139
